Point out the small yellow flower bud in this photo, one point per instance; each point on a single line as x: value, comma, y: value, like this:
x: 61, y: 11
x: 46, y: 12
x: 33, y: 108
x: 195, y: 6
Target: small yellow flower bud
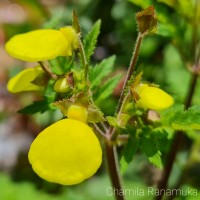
x: 22, y: 81
x: 67, y: 152
x: 61, y: 85
x: 152, y: 98
x: 77, y: 112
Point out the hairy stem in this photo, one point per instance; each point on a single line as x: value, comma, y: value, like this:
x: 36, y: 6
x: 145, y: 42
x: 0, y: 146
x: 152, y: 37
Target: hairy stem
x: 122, y: 100
x: 47, y: 70
x: 130, y: 69
x: 100, y: 131
x: 112, y: 162
x: 112, y: 134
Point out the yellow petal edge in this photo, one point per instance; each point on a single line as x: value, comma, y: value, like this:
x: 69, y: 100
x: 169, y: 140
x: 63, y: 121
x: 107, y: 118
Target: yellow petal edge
x: 153, y: 98
x: 67, y: 152
x: 22, y: 81
x: 72, y: 39
x: 38, y: 45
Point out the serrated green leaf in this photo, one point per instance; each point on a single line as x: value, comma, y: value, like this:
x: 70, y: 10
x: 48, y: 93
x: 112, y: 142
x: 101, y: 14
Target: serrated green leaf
x: 36, y: 106
x: 95, y: 115
x: 155, y: 159
x: 180, y: 119
x: 189, y: 118
x: 169, y: 115
x: 163, y: 137
x: 107, y: 89
x: 148, y: 145
x: 91, y: 39
x: 101, y: 70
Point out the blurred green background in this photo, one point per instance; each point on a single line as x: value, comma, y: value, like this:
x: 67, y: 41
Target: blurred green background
x: 164, y: 58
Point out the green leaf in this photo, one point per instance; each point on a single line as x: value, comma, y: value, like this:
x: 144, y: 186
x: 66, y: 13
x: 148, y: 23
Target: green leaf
x: 95, y: 115
x: 148, y: 145
x: 123, y: 165
x: 101, y: 70
x: 169, y: 115
x: 36, y: 106
x: 90, y: 40
x: 181, y: 119
x: 163, y: 137
x: 189, y: 118
x: 107, y: 89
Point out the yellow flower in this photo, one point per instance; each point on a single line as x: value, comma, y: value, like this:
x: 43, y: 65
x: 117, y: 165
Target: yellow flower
x: 152, y: 97
x: 72, y: 39
x: 77, y: 112
x: 43, y: 44
x: 22, y: 81
x: 67, y: 152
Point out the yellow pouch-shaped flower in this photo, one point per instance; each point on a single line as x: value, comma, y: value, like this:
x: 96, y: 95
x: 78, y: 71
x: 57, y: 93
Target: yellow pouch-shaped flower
x: 153, y: 98
x: 72, y: 39
x: 38, y: 45
x: 67, y: 152
x: 22, y: 81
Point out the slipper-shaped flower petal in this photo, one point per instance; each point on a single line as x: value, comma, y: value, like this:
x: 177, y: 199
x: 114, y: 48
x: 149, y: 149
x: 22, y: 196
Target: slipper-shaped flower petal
x: 38, y: 45
x: 72, y: 39
x: 67, y: 152
x: 153, y: 98
x: 22, y: 81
